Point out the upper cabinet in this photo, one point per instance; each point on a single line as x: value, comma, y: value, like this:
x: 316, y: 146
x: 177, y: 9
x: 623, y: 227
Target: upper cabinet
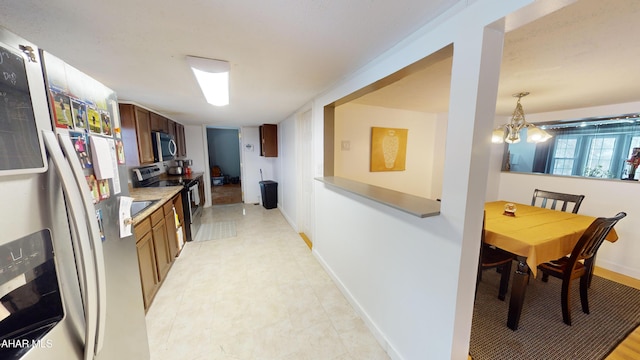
x: 137, y: 125
x: 172, y: 129
x: 159, y: 123
x: 180, y: 140
x: 269, y: 140
x: 136, y: 135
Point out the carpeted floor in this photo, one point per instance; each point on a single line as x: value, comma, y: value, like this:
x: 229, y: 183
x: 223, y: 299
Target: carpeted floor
x: 615, y: 312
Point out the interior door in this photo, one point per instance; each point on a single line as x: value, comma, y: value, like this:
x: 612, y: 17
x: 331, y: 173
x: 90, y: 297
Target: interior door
x: 305, y: 175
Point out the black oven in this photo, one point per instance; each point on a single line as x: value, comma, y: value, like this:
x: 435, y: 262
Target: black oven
x: 150, y: 177
x: 193, y: 195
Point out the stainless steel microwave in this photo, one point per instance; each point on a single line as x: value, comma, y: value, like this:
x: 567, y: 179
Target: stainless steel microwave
x: 164, y: 147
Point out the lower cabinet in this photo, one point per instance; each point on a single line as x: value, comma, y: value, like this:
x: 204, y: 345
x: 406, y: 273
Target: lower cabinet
x: 170, y: 226
x: 148, y: 272
x: 157, y: 245
x: 160, y: 244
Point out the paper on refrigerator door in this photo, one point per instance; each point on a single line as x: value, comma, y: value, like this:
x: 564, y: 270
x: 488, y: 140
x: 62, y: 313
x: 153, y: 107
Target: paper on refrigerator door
x: 100, y: 152
x: 124, y: 216
x: 114, y: 165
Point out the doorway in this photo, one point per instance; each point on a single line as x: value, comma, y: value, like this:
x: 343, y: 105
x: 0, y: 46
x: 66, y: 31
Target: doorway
x: 224, y: 165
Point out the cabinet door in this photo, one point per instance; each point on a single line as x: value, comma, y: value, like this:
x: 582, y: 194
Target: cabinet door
x: 269, y: 140
x: 177, y: 204
x: 147, y: 266
x: 161, y: 247
x: 158, y: 123
x: 172, y: 238
x: 180, y: 140
x: 143, y: 132
x: 172, y: 128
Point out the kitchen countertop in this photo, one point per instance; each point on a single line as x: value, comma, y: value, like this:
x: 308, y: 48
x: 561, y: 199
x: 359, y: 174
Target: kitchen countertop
x: 163, y: 194
x: 410, y: 204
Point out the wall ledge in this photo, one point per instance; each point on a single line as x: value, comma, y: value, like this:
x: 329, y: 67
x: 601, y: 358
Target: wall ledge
x: 411, y: 204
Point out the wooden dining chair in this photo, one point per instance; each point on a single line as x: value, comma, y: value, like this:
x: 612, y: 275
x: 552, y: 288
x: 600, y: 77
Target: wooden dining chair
x: 556, y: 199
x: 492, y: 257
x: 580, y: 263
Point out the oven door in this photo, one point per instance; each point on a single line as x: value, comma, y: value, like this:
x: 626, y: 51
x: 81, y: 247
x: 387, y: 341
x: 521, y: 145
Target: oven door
x: 194, y: 198
x: 194, y: 208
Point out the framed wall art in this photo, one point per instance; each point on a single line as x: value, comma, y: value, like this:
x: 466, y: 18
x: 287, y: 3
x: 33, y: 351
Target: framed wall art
x: 388, y: 149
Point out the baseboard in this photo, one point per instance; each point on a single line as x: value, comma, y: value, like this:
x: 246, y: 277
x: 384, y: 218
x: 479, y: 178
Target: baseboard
x: 617, y: 277
x: 616, y: 268
x: 371, y: 325
x: 286, y: 217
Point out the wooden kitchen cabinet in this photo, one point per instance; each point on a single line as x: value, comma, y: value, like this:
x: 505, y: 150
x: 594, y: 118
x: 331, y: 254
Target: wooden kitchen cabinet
x: 269, y: 140
x: 137, y: 124
x: 180, y: 140
x: 147, y: 263
x: 170, y: 225
x: 177, y: 204
x: 136, y: 135
x: 159, y: 123
x: 160, y: 244
x: 172, y: 129
x: 157, y: 245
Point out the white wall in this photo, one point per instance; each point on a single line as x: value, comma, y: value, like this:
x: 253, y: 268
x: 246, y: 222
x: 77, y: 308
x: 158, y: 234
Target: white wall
x: 252, y: 162
x: 413, y: 279
x: 399, y: 271
x: 602, y: 197
x: 286, y: 169
x: 353, y: 123
x: 195, y: 137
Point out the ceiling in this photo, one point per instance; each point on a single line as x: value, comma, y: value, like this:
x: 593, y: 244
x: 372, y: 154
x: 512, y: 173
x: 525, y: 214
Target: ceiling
x: 282, y: 52
x: 583, y: 55
x: 285, y: 52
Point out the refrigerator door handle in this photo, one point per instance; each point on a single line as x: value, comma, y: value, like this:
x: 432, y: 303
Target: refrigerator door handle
x: 72, y: 193
x: 94, y: 237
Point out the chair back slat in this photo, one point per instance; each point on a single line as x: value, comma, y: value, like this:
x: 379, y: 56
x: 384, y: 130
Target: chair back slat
x: 593, y: 237
x: 564, y: 199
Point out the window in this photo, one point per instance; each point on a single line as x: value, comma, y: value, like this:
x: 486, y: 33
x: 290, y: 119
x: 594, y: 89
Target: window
x: 596, y: 148
x: 600, y: 158
x: 564, y: 155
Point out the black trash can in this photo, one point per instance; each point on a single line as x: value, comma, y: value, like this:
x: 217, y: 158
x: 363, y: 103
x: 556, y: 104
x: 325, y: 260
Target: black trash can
x: 269, y: 190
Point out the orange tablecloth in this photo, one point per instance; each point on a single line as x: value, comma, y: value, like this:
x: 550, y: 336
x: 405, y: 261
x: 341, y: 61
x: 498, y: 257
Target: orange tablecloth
x: 538, y: 234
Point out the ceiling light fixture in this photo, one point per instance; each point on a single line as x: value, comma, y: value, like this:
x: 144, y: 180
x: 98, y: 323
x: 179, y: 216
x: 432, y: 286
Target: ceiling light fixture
x: 510, y: 132
x: 213, y: 78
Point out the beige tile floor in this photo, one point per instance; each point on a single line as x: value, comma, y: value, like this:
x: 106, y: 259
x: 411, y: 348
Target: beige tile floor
x: 258, y: 295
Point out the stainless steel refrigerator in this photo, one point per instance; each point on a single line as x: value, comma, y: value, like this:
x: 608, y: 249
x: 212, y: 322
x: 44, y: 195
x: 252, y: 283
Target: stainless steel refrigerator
x: 69, y: 277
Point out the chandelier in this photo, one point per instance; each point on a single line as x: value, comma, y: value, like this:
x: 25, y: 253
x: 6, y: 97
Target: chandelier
x: 510, y: 132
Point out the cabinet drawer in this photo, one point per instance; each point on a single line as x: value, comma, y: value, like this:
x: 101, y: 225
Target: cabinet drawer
x: 168, y: 208
x: 142, y: 228
x: 156, y: 217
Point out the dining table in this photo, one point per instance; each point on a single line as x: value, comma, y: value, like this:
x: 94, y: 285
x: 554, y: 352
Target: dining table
x: 535, y: 235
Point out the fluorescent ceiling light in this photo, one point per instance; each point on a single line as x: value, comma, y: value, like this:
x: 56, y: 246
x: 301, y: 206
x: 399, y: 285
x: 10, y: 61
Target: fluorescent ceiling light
x: 213, y: 78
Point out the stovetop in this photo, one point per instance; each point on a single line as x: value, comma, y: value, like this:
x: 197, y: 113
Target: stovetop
x: 150, y: 177
x: 180, y: 182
